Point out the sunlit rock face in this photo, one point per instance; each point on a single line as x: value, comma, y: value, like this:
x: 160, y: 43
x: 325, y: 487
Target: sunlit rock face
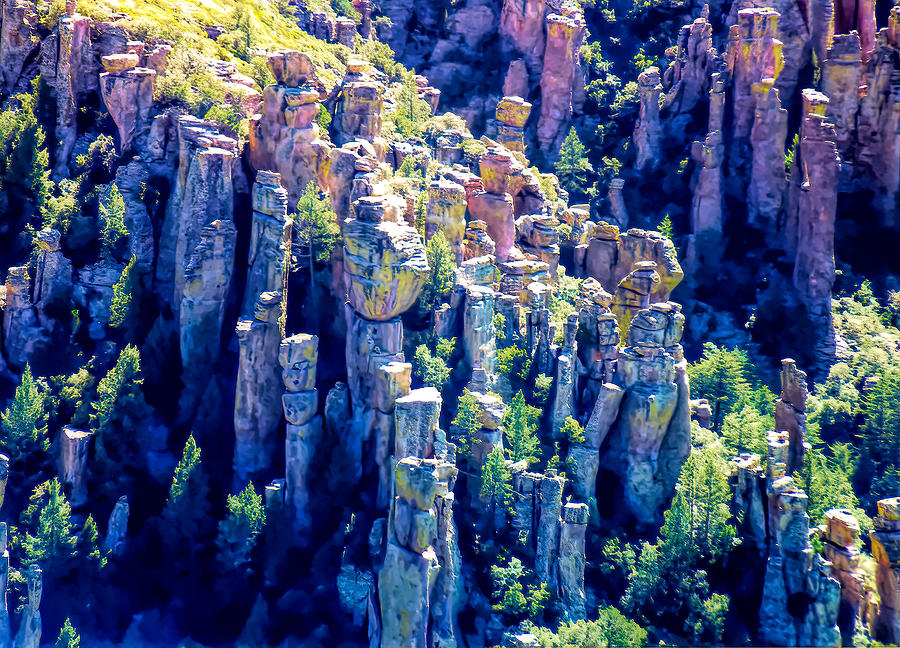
x: 384, y: 260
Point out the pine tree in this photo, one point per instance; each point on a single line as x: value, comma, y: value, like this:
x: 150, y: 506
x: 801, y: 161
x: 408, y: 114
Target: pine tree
x: 430, y: 368
x: 468, y: 419
x: 441, y: 270
x: 68, y: 638
x: 722, y: 377
x: 519, y: 429
x: 421, y: 211
x: 881, y: 427
x: 411, y: 112
x: 112, y: 219
x: 49, y: 538
x: 187, y: 510
x: 496, y: 480
x: 573, y: 167
x: 119, y: 409
x: 317, y: 228
x: 239, y: 530
x: 24, y: 423
x: 120, y: 306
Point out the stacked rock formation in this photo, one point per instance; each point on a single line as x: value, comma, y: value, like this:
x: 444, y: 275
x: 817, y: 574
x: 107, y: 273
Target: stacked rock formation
x: 494, y: 205
x: 647, y: 130
x: 687, y: 77
x: 814, y: 269
x: 610, y: 256
x: 127, y: 91
x: 360, y: 107
x: 562, y: 81
x: 648, y: 429
x: 885, y: 540
x: 258, y: 388
x: 385, y: 268
x: 790, y: 412
x: 598, y: 342
x: 285, y: 137
x: 408, y: 582
x: 268, y: 239
x: 839, y: 541
x: 299, y: 356
x: 551, y: 534
x: 793, y: 570
x: 512, y: 114
x: 446, y: 212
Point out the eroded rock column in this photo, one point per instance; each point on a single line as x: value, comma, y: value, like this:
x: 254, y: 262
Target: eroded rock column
x: 267, y: 239
x: 257, y: 411
x: 298, y: 356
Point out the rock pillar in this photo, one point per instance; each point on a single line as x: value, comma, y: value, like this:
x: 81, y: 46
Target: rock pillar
x: 299, y: 356
x: 74, y: 446
x: 269, y: 235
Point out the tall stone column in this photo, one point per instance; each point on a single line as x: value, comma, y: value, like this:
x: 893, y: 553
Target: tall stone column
x: 885, y: 540
x: 29, y: 635
x: 446, y: 212
x: 299, y: 356
x: 512, y: 114
x: 269, y: 235
x: 560, y: 76
x: 706, y: 206
x: 257, y: 407
x: 479, y: 339
x: 74, y: 446
x: 790, y: 413
x: 19, y: 321
x: 407, y: 582
x: 495, y: 205
x: 564, y: 396
x: 814, y: 269
x: 648, y: 130
x: 767, y: 179
x: 753, y: 54
x: 841, y: 77
x: 385, y: 266
x: 117, y: 529
x: 207, y: 282
x: 571, y: 561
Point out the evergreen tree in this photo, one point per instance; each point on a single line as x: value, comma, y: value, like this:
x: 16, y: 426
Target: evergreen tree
x: 239, y: 530
x: 119, y: 409
x: 722, y: 377
x: 411, y: 112
x: 520, y: 430
x: 120, y: 306
x: 430, y: 367
x: 24, y: 423
x: 573, y: 167
x: 187, y: 510
x: 67, y: 638
x: 441, y: 270
x: 666, y: 585
x: 112, y: 219
x: 468, y: 419
x: 421, y: 211
x: 49, y: 538
x: 317, y: 227
x: 496, y: 480
x: 881, y: 427
x: 76, y: 393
